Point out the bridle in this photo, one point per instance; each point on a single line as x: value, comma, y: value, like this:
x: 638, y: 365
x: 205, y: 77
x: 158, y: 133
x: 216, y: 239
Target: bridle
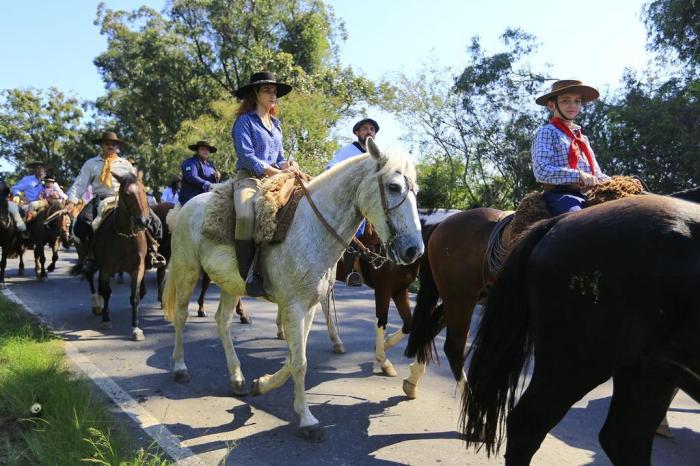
x: 133, y: 229
x: 356, y: 247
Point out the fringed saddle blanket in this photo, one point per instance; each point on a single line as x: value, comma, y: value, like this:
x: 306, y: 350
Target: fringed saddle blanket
x: 275, y: 205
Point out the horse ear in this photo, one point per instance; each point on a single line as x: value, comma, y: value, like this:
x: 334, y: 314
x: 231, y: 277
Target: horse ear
x: 119, y: 178
x: 374, y: 151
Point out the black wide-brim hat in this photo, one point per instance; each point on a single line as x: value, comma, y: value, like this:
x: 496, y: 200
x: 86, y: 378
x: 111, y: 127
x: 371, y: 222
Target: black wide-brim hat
x: 363, y: 121
x: 195, y: 147
x: 109, y: 136
x: 260, y: 79
x: 36, y: 163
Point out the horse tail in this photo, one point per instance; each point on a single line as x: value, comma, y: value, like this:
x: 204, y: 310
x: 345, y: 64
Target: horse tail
x: 171, y: 218
x: 169, y: 295
x: 426, y: 321
x: 501, y: 349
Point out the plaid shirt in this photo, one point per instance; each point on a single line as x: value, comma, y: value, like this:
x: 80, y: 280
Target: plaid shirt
x: 550, y: 157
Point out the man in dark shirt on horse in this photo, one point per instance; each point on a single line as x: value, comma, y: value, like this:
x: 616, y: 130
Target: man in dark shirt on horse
x: 97, y: 173
x: 198, y: 172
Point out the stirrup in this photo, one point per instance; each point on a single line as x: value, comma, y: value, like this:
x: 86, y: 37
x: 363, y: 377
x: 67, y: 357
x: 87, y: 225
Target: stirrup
x: 354, y: 279
x: 254, y: 285
x: 156, y: 260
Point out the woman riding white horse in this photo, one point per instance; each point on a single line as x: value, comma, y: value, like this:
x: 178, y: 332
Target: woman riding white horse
x: 377, y: 186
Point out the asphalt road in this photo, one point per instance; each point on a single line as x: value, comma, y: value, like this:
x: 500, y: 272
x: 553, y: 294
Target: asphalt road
x: 368, y: 419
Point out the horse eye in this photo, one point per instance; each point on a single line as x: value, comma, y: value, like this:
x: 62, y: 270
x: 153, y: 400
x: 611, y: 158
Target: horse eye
x: 394, y: 187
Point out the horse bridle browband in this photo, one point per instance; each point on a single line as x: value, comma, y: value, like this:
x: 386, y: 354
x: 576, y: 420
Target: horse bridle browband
x: 374, y: 259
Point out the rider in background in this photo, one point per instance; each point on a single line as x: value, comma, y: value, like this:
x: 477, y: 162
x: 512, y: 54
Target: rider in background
x: 562, y: 158
x: 363, y: 129
x: 172, y: 191
x: 198, y: 172
x: 257, y: 138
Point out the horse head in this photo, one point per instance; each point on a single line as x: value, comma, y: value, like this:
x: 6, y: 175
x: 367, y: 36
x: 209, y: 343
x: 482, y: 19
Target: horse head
x: 58, y: 222
x: 387, y: 199
x: 133, y: 201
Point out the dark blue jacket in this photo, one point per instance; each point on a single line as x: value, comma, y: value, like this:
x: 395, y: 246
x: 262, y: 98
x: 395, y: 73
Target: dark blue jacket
x: 197, y: 177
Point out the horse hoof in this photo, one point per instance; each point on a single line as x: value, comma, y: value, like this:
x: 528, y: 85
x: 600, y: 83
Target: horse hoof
x: 409, y: 389
x: 137, y: 334
x: 246, y: 320
x: 238, y: 388
x: 51, y: 268
x: 106, y: 325
x: 97, y: 311
x: 338, y: 348
x: 280, y: 335
x: 664, y: 431
x: 389, y: 371
x: 201, y: 314
x: 314, y: 433
x: 181, y: 376
x: 255, y: 388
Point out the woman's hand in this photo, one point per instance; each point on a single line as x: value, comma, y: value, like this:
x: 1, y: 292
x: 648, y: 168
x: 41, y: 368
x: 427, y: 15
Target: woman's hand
x: 290, y: 166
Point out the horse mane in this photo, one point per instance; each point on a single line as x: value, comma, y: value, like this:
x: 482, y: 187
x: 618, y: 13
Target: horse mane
x: 692, y: 194
x: 395, y: 161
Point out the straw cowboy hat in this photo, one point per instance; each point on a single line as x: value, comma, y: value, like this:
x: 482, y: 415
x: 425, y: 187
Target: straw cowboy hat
x: 363, y: 121
x: 195, y: 147
x: 260, y: 79
x: 572, y: 86
x: 109, y: 136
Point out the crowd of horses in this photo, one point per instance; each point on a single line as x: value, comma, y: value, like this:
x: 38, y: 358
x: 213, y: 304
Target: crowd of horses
x: 607, y: 292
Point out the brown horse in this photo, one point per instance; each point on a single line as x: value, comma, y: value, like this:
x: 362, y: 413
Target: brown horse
x: 120, y: 246
x: 161, y: 210
x: 10, y: 240
x: 50, y: 226
x: 390, y: 282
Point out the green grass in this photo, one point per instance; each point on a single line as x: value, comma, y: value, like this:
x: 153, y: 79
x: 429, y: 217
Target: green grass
x: 73, y: 426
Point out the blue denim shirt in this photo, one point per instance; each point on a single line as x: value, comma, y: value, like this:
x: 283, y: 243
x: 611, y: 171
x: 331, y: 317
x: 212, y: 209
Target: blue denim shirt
x: 31, y: 186
x: 197, y: 177
x: 257, y: 147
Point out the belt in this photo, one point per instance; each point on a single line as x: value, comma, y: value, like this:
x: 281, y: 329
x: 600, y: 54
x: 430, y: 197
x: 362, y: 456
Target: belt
x: 561, y: 187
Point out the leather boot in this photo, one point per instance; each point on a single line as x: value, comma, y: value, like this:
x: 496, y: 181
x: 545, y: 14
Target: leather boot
x: 245, y: 253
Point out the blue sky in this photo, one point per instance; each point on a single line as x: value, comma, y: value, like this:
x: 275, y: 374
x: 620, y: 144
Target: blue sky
x: 46, y: 44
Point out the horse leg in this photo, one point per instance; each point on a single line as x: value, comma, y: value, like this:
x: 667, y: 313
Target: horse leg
x: 160, y: 276
x: 96, y: 300
x: 243, y: 316
x: 280, y: 329
x: 105, y: 292
x: 640, y: 399
x: 37, y: 262
x: 458, y: 318
x: 403, y: 305
x: 332, y: 325
x: 224, y: 314
x: 20, y: 271
x: 54, y: 257
x: 205, y: 285
x: 3, y: 265
x: 550, y: 394
x: 138, y: 290
x: 183, y: 291
x: 381, y: 362
x: 410, y: 384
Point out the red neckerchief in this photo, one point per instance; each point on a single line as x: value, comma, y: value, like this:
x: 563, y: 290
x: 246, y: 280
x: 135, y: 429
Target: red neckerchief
x: 578, y: 144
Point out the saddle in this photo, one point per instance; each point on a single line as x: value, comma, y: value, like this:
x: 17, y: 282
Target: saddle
x: 275, y: 205
x: 533, y: 208
x: 106, y: 206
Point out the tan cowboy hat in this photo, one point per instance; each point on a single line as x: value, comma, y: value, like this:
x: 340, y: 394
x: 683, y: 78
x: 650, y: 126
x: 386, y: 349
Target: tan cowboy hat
x: 195, y: 147
x: 588, y: 93
x: 109, y: 136
x: 260, y: 79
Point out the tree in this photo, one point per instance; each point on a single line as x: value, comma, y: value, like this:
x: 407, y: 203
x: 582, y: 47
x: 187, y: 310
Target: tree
x: 674, y: 25
x: 44, y: 126
x: 475, y: 129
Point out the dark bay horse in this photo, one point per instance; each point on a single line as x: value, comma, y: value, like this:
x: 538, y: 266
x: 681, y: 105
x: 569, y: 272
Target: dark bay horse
x: 120, y: 246
x: 390, y: 282
x: 161, y: 210
x: 10, y: 240
x: 610, y: 291
x: 50, y: 226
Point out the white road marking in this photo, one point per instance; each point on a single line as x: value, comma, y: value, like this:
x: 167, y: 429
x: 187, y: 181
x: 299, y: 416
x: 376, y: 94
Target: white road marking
x: 158, y: 432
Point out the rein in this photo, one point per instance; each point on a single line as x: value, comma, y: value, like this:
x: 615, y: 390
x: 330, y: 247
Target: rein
x: 374, y: 259
x: 133, y: 230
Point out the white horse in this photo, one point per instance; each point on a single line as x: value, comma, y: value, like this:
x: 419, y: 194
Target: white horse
x: 376, y: 185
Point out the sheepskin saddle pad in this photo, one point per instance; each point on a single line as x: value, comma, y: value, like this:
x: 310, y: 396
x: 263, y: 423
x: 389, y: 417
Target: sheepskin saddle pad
x: 533, y: 208
x: 106, y: 207
x: 275, y: 205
